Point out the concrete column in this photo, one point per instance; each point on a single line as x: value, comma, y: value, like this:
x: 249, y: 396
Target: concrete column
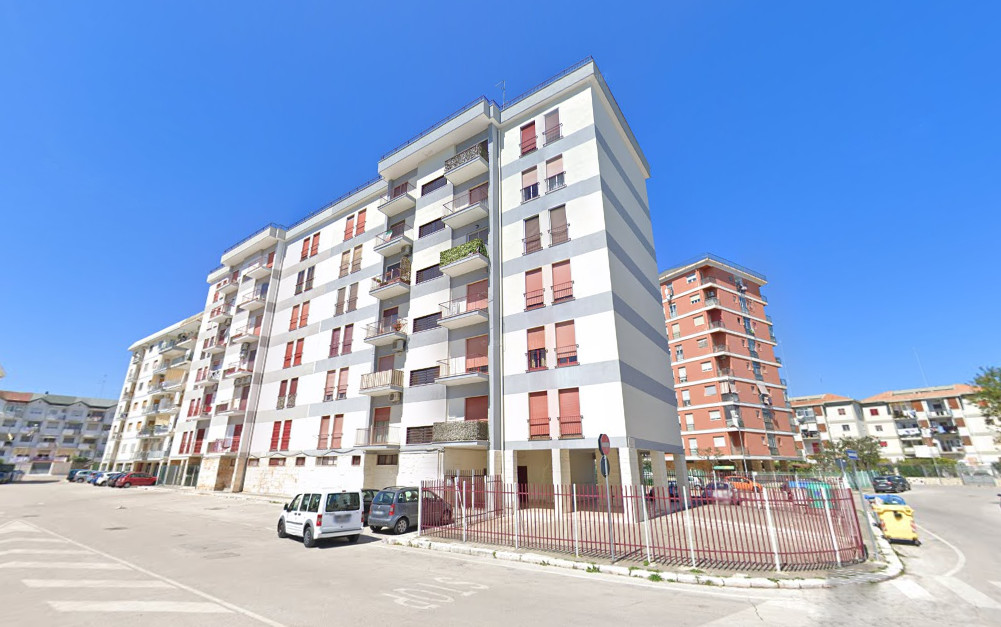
x: 562, y: 480
x: 658, y: 461
x: 509, y: 470
x: 681, y: 474
x: 630, y: 472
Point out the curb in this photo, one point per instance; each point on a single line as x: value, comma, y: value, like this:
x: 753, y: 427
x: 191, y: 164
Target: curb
x: 894, y: 567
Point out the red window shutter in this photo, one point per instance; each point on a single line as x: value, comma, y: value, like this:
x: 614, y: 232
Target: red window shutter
x: 476, y: 407
x: 538, y: 405
x: 324, y: 428
x: 315, y: 246
x: 335, y: 434
x: 360, y: 226
x: 476, y: 353
x: 528, y: 138
x: 286, y: 435
x: 554, y: 166
x: 294, y: 319
x: 349, y: 228
x: 381, y: 414
x: 199, y: 438
x: 534, y: 294
x: 536, y: 338
x: 293, y: 386
x: 281, y: 388
x: 569, y: 402
x: 237, y: 433
x: 198, y: 406
x: 289, y: 348
x: 335, y: 342
x: 298, y: 352
x: 304, y: 315
x: 342, y: 381
x: 184, y: 442
x: 276, y: 431
x: 561, y: 273
x: 271, y: 259
x: 386, y: 362
x: 328, y: 388
x: 208, y: 400
x: 552, y: 124
x: 305, y: 249
x: 349, y: 331
x: 565, y: 336
x: 476, y: 296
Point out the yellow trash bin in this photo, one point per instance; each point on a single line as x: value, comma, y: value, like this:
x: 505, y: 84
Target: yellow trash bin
x: 897, y: 523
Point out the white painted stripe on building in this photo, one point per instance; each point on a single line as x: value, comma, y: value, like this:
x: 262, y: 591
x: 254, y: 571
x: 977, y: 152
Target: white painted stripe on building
x: 968, y: 593
x: 93, y: 583
x: 912, y: 590
x: 66, y: 565
x: 16, y: 526
x: 184, y: 607
x: 45, y: 552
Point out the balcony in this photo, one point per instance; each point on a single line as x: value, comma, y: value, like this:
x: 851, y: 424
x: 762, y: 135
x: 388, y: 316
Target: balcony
x: 571, y: 427
x: 712, y: 302
x: 174, y: 385
x: 157, y: 431
x: 390, y: 284
x: 228, y: 285
x: 230, y: 409
x: 394, y: 241
x: 170, y: 348
x: 156, y: 410
x: 460, y: 431
x: 221, y: 313
x: 214, y: 345
x: 553, y: 134
x: 245, y: 335
x: 466, y: 165
x: 466, y: 208
x: 208, y: 378
x: 381, y: 383
x: 939, y: 413
x: 253, y: 301
x: 153, y: 455
x: 566, y: 356
x: 258, y: 268
x: 180, y: 362
x: 187, y: 342
x: 386, y: 331
x: 463, y: 370
x: 399, y: 202
x: 555, y: 182
x: 378, y: 435
x: 538, y: 428
x: 461, y: 313
x: 237, y: 369
x: 463, y: 258
x: 223, y: 445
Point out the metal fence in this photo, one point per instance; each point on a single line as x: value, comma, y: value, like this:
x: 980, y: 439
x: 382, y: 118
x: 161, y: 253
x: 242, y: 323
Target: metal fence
x: 812, y: 525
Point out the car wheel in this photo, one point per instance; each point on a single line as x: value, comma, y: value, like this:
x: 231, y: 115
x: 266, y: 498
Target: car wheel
x: 308, y: 540
x: 281, y: 529
x: 354, y: 538
x: 374, y: 528
x: 401, y: 526
x: 126, y: 485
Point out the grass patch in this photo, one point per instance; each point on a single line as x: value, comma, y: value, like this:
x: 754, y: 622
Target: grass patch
x: 593, y: 569
x: 655, y: 577
x: 696, y: 571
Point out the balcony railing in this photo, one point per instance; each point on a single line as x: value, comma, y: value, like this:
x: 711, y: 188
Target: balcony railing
x: 535, y: 299
x: 378, y: 435
x: 939, y: 413
x: 390, y: 278
x: 553, y: 133
x: 222, y: 445
x: 385, y: 326
x: 256, y: 297
x: 461, y: 201
x: 454, y: 366
x: 538, y: 428
x: 712, y: 301
x: 562, y: 292
x: 529, y: 144
x: 244, y: 333
x: 532, y: 244
x: 154, y: 432
x: 555, y: 182
x: 459, y: 306
x: 566, y: 356
x: 559, y: 235
x: 383, y: 378
x: 286, y: 402
x: 395, y: 232
x: 570, y: 427
x: 469, y: 154
x: 530, y: 193
x: 420, y: 435
x: 536, y: 359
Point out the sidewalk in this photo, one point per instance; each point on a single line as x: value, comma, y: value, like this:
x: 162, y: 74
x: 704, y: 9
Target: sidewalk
x: 869, y: 572
x: 275, y: 499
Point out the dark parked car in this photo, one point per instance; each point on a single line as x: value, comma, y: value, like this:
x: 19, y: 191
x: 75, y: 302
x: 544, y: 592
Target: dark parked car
x: 130, y: 479
x: 901, y: 482
x: 368, y: 495
x: 71, y: 475
x: 110, y: 481
x: 890, y: 483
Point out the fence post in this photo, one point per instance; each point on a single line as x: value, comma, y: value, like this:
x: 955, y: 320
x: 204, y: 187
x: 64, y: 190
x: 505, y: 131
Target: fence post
x: 646, y: 524
x: 688, y: 525
x: 830, y: 526
x: 420, y: 506
x: 772, y: 536
x: 608, y: 509
x: 517, y: 496
x: 576, y: 523
x: 463, y: 511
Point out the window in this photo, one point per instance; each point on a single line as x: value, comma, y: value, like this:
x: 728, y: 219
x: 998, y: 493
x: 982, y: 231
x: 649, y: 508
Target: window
x: 679, y: 353
x: 562, y: 282
x: 529, y: 184
x: 879, y: 428
x: 297, y: 361
x: 356, y: 259
x: 400, y: 190
x: 360, y: 223
x: 326, y: 461
x: 335, y: 342
x: 349, y: 228
x: 429, y: 273
x: 695, y: 299
x: 533, y: 236
x: 693, y: 446
x: 553, y: 126
x: 672, y: 310
x: 714, y: 414
x: 352, y: 297
x: 286, y: 435
x: 431, y: 227
x: 300, y: 280
x: 305, y: 249
x: 314, y: 246
x: 559, y: 232
x: 718, y: 441
x: 536, y: 338
x: 356, y: 460
x: 691, y: 278
x: 841, y: 411
x: 683, y: 374
x: 675, y: 331
x: 337, y: 431
x: 349, y: 331
x: 534, y: 293
x: 476, y: 407
x: 276, y: 461
x: 698, y: 321
x: 690, y: 422
x: 304, y: 315
x: 707, y: 366
x: 345, y: 263
x: 686, y: 398
x: 342, y: 384
x: 555, y: 178
x: 387, y: 460
x: 702, y: 342
x: 846, y: 427
x: 710, y: 390
x: 423, y: 376
x: 300, y: 461
x: 276, y: 432
x: 566, y: 344
x: 343, y: 502
x: 289, y: 351
x: 873, y: 411
x: 432, y: 185
x: 253, y: 462
x: 538, y: 415
x: 328, y: 395
x: 528, y: 138
x: 426, y: 322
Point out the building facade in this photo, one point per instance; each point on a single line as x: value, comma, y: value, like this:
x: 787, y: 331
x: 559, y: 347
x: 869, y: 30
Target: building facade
x: 825, y: 418
x: 487, y: 305
x: 47, y: 433
x: 731, y: 398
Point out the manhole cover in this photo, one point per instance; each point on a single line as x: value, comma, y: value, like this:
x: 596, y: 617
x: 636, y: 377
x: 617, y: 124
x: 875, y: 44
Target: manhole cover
x: 220, y: 556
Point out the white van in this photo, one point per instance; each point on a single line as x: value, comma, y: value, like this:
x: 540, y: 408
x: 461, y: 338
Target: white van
x: 321, y: 514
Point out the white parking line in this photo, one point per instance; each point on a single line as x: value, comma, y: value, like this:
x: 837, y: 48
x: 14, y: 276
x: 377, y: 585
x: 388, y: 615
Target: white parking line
x: 66, y: 565
x: 187, y: 607
x: 960, y: 556
x: 969, y: 593
x: 912, y: 590
x: 93, y: 583
x: 17, y: 526
x: 19, y: 540
x: 45, y: 552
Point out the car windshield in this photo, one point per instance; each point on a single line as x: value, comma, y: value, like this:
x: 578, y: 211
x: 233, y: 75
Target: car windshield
x: 384, y: 498
x: 343, y: 502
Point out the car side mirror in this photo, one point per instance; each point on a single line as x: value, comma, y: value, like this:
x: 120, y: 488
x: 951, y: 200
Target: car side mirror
x: 285, y: 507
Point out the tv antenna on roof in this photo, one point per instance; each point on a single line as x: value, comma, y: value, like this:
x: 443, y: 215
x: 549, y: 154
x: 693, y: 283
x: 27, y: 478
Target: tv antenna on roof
x: 503, y: 86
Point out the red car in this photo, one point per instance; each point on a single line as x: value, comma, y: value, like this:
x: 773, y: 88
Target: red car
x: 130, y: 479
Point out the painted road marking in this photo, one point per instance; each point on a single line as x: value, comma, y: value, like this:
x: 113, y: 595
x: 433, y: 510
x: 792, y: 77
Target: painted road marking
x: 425, y: 596
x: 969, y: 593
x: 996, y: 583
x: 66, y: 565
x: 960, y: 556
x: 45, y: 552
x: 20, y: 540
x: 912, y: 590
x: 186, y: 607
x: 17, y: 526
x: 93, y: 583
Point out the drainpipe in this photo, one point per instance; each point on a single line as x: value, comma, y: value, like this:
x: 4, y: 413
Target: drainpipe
x: 496, y: 416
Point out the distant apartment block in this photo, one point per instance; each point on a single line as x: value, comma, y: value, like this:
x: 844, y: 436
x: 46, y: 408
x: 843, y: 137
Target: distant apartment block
x: 149, y: 405
x: 918, y: 423
x: 45, y: 433
x: 486, y: 305
x: 731, y: 399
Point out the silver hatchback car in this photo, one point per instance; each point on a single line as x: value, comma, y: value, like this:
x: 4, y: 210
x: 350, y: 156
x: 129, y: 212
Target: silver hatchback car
x: 394, y: 507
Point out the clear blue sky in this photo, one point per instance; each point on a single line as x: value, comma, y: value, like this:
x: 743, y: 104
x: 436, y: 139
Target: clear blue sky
x: 851, y: 152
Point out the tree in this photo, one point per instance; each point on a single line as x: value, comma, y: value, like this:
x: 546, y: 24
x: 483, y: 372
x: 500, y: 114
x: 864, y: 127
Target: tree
x: 988, y: 397
x: 712, y: 454
x: 868, y: 449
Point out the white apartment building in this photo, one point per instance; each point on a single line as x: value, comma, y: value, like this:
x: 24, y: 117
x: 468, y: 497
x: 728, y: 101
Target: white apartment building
x: 487, y: 305
x: 149, y: 404
x: 46, y: 433
x: 824, y: 418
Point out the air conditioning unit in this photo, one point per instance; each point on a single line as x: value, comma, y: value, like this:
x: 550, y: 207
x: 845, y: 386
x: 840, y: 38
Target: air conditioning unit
x: 395, y: 397
x: 399, y: 346
x: 406, y: 249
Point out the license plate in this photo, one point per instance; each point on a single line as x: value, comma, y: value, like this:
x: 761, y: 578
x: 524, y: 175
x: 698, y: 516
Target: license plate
x: 342, y: 517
